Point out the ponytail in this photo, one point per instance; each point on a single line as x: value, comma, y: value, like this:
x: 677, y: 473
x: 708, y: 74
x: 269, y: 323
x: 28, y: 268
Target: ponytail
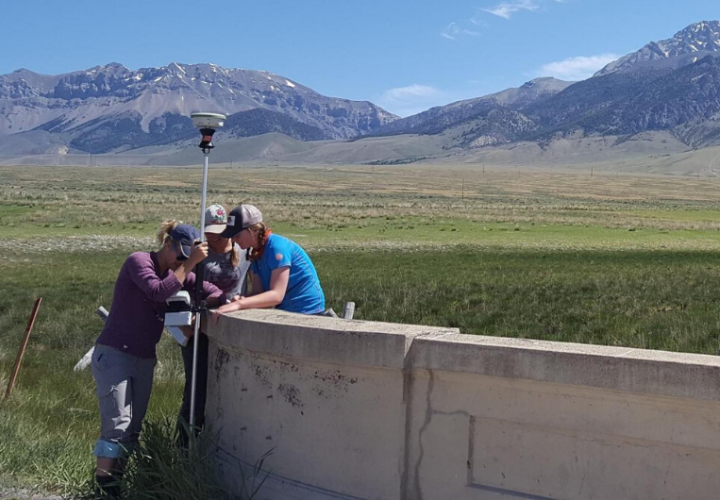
x: 163, y: 235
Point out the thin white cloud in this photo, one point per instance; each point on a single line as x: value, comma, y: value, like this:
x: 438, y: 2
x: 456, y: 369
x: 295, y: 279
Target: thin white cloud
x: 576, y: 68
x: 453, y: 31
x: 507, y: 9
x: 406, y: 101
x: 411, y: 91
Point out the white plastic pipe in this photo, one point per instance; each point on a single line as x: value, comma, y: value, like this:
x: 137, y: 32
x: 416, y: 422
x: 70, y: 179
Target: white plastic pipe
x: 85, y: 360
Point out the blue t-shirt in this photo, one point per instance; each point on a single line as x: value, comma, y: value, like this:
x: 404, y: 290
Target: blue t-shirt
x: 304, y: 294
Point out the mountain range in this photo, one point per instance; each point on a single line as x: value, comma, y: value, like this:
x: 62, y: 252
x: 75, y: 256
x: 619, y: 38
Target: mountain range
x: 672, y: 85
x: 112, y: 108
x: 663, y: 98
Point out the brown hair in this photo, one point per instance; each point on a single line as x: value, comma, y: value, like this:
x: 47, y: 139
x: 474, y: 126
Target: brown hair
x: 261, y: 229
x: 163, y: 235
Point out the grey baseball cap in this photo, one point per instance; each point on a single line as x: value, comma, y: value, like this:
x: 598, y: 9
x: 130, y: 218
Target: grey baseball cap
x: 241, y: 217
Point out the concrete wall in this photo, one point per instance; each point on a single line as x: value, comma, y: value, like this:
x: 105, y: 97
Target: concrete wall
x: 355, y: 409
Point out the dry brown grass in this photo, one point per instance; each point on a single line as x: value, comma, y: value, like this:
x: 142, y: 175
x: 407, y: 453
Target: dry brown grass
x: 130, y: 199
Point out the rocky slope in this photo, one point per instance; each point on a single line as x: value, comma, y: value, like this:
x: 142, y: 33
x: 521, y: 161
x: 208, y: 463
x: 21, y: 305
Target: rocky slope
x: 686, y: 47
x: 437, y: 119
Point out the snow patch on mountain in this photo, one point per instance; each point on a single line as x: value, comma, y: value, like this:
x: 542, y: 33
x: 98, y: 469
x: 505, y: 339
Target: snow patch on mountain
x: 686, y: 47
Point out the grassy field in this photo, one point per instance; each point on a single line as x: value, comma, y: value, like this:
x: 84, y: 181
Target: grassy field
x: 359, y: 206
x: 611, y: 260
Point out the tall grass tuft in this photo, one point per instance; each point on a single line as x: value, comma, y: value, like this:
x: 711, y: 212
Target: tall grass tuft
x: 160, y: 469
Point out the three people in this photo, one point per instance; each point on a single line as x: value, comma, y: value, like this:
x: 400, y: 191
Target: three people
x: 123, y: 363
x: 124, y: 359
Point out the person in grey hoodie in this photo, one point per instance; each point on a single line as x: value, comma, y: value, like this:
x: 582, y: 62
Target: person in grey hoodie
x: 124, y: 359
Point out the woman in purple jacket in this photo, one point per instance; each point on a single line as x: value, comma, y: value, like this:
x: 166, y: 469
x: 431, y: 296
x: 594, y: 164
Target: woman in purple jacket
x: 124, y: 359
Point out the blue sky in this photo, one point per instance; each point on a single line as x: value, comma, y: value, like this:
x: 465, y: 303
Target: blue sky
x: 403, y: 55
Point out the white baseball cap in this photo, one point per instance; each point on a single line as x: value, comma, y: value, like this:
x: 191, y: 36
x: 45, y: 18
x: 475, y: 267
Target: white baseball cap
x: 215, y: 219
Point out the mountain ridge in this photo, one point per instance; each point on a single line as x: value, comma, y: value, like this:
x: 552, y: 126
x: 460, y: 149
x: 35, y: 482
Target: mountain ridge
x: 137, y: 102
x: 686, y: 47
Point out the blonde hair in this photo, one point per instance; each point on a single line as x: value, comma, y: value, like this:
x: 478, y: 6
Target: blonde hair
x: 163, y: 235
x: 235, y: 259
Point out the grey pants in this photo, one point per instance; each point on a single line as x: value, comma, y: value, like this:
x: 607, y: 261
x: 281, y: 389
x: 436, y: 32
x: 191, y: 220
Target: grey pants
x: 124, y: 383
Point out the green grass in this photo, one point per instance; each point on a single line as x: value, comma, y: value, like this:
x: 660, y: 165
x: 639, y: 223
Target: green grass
x: 628, y: 262
x: 49, y: 425
x: 504, y: 292
x: 691, y: 215
x: 659, y: 300
x: 160, y: 470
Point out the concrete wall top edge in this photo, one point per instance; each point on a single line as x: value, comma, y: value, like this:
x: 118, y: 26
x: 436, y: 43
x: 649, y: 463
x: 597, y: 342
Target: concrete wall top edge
x: 398, y: 346
x: 275, y: 316
x: 685, y: 375
x: 331, y: 340
x: 582, y: 349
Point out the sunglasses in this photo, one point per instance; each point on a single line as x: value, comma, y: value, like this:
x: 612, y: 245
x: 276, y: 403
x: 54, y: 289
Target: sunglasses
x: 179, y: 255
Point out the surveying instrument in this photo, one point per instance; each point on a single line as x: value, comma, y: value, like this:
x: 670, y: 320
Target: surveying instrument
x: 207, y: 123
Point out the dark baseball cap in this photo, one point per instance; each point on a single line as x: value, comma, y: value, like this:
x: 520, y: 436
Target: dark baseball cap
x: 184, y: 235
x: 241, y: 217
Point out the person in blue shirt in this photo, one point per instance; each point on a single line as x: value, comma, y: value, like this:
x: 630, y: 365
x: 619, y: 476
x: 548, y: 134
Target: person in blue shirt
x: 283, y: 276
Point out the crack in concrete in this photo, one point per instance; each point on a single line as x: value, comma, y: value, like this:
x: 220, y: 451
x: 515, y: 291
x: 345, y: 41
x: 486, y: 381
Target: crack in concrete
x: 428, y: 418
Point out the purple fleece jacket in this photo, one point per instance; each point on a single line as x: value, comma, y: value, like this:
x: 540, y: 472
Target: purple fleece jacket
x: 138, y: 307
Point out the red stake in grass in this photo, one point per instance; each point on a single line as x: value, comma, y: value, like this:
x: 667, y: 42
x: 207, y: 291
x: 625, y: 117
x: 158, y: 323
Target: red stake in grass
x: 21, y: 353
